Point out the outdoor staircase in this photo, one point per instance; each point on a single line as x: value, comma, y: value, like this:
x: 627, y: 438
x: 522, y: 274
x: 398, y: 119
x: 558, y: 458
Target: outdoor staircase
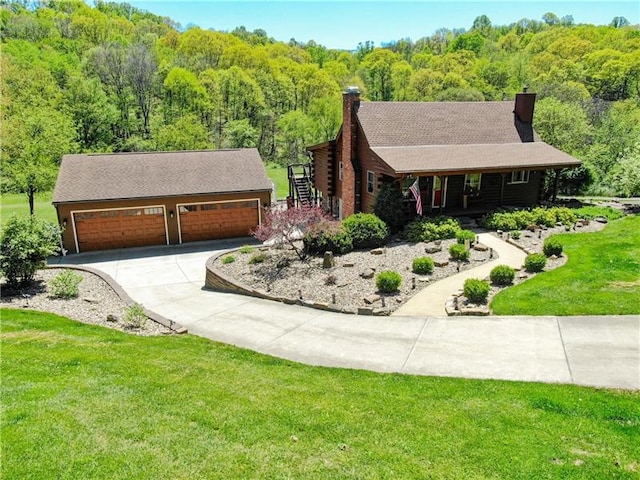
x: 302, y: 193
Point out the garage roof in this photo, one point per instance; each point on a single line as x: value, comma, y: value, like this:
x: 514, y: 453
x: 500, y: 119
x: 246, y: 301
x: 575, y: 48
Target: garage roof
x: 91, y: 177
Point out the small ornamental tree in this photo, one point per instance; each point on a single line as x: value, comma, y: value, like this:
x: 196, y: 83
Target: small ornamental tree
x: 287, y: 227
x: 25, y: 244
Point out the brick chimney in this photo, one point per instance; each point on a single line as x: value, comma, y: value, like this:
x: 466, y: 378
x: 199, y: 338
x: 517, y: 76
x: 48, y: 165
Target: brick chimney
x: 350, y: 105
x: 525, y: 103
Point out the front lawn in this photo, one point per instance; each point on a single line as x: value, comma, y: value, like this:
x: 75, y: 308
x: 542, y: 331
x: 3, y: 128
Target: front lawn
x: 82, y: 401
x: 18, y: 204
x: 601, y: 277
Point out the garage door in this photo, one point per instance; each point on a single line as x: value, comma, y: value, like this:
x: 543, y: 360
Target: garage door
x: 131, y: 227
x: 217, y: 220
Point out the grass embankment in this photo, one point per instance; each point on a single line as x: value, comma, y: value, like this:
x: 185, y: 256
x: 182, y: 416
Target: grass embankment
x: 278, y: 174
x: 85, y: 402
x: 18, y: 204
x: 601, y: 277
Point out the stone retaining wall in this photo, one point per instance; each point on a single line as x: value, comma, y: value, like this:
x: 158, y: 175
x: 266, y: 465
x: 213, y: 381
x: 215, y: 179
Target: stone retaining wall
x: 219, y: 282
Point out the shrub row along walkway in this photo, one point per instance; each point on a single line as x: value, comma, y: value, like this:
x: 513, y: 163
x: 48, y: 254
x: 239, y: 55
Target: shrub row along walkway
x: 431, y: 300
x: 599, y: 351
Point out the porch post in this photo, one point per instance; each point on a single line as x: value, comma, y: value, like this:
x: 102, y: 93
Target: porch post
x: 555, y: 184
x: 503, y: 178
x: 443, y: 191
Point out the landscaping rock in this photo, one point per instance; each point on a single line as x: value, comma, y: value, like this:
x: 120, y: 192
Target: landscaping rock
x: 601, y: 219
x: 369, y: 299
x: 328, y: 261
x: 433, y: 248
x: 424, y: 279
x: 348, y: 264
x: 112, y: 318
x: 377, y: 251
x: 480, y: 247
x: 365, y: 311
x: 91, y: 300
x: 441, y: 263
x: 368, y: 273
x: 381, y: 312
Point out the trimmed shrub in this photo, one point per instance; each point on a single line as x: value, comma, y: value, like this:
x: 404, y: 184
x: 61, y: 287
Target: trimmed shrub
x: 366, y: 230
x: 228, y: 259
x: 552, y: 246
x: 25, y: 244
x: 535, y: 262
x: 246, y: 249
x: 464, y: 235
x: 502, y: 275
x: 388, y: 281
x: 257, y: 258
x: 544, y: 216
x: 515, y: 234
x: 65, y: 284
x: 476, y: 290
x: 327, y: 236
x: 430, y: 229
x: 422, y: 265
x: 134, y: 316
x: 565, y: 215
x: 459, y: 252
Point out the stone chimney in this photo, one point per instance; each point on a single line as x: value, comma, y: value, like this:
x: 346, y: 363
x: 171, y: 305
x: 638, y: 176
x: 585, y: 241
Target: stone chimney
x: 525, y: 103
x: 350, y: 105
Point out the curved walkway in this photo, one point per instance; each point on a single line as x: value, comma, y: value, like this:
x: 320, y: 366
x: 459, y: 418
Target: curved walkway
x: 598, y: 351
x: 431, y: 300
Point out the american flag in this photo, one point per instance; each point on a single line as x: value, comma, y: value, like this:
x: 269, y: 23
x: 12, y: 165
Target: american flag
x: 415, y: 189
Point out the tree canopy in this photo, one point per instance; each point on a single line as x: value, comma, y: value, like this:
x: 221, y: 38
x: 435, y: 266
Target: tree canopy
x: 116, y: 78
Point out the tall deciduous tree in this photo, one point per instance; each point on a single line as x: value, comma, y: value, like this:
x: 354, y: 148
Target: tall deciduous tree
x: 33, y: 144
x: 141, y: 70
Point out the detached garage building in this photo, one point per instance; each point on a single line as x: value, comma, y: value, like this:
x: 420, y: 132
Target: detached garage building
x: 107, y: 201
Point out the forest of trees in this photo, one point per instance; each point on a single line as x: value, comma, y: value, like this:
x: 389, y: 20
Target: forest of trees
x: 114, y: 78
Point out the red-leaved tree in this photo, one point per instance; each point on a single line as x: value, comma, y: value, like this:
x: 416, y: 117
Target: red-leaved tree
x: 287, y: 227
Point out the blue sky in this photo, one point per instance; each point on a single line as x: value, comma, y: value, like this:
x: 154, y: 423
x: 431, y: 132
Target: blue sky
x: 341, y: 24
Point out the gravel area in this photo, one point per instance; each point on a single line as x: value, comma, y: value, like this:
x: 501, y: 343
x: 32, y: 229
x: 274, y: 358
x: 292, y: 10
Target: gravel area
x: 96, y: 301
x: 352, y: 279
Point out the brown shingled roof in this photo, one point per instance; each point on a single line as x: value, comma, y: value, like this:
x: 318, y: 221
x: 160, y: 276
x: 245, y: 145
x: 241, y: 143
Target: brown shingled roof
x: 439, y: 123
x: 474, y: 158
x: 86, y: 177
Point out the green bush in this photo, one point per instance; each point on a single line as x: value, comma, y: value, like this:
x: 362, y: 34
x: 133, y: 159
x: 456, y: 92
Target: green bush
x: 476, y: 290
x: 502, y: 275
x: 552, y: 246
x: 327, y: 236
x: 464, y: 235
x: 535, y: 262
x: 515, y: 234
x: 430, y: 229
x: 65, y: 284
x: 246, y: 249
x: 134, y: 316
x: 459, y: 252
x: 388, y: 206
x: 388, y: 281
x: 422, y: 265
x: 228, y: 259
x: 25, y: 244
x: 366, y: 230
x: 257, y: 258
x: 544, y: 216
x: 501, y: 221
x: 565, y: 215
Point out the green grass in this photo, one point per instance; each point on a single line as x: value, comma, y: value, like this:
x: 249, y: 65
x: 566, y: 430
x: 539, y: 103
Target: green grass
x: 278, y: 174
x: 601, y: 277
x: 18, y: 204
x: 592, y: 211
x: 82, y: 401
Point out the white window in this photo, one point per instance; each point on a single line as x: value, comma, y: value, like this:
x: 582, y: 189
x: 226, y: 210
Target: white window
x: 521, y: 176
x: 371, y: 181
x: 340, y: 171
x: 472, y: 183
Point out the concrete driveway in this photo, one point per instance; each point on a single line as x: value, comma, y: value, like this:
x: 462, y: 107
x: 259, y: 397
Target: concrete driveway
x: 601, y: 351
